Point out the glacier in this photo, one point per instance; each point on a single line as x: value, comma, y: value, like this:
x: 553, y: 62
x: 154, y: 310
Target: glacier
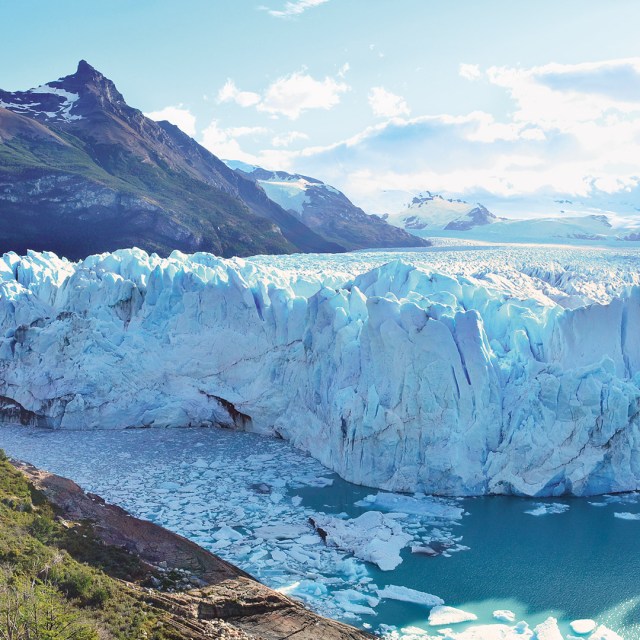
x: 451, y: 372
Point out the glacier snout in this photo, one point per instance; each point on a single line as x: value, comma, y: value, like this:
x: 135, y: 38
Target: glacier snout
x: 398, y: 377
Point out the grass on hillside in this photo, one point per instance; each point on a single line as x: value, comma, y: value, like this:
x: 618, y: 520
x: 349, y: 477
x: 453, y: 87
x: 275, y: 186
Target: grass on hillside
x: 57, y: 582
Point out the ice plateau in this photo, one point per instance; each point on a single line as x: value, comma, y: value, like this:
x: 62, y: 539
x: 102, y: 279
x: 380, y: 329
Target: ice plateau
x: 447, y: 372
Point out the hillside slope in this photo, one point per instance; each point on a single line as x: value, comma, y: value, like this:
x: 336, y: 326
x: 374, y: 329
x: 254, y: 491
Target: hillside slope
x: 74, y: 567
x: 327, y: 211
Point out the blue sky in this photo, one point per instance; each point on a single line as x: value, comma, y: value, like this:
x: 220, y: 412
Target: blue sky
x: 510, y: 98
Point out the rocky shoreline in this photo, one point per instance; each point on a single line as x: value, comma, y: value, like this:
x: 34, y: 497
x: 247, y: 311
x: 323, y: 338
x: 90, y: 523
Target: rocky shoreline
x: 202, y: 595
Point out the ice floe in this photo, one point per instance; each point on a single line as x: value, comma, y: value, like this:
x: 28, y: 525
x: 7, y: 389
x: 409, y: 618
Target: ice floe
x: 548, y: 630
x: 404, y: 594
x: 504, y: 615
x: 582, y: 627
x: 625, y: 515
x: 547, y: 508
x: 374, y: 537
x: 442, y: 614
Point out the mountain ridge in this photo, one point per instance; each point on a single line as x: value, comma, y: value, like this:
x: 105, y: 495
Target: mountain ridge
x: 327, y: 210
x: 83, y: 172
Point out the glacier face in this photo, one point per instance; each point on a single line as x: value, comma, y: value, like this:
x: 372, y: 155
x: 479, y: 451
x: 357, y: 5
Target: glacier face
x: 449, y: 372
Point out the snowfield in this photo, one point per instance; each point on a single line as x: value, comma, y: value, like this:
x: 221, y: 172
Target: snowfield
x: 454, y: 371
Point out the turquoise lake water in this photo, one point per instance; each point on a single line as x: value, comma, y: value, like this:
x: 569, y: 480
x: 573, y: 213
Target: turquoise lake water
x: 579, y: 562
x: 583, y: 563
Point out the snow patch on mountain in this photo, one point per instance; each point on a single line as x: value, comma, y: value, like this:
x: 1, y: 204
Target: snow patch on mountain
x: 50, y: 102
x: 290, y: 194
x: 445, y: 372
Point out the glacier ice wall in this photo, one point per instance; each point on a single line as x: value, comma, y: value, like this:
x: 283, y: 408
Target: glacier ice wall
x: 396, y: 376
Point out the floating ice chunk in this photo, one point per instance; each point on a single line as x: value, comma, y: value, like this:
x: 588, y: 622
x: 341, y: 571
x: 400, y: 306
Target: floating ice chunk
x: 355, y: 602
x: 623, y: 498
x: 441, y: 614
x: 404, y: 594
x: 227, y: 533
x: 548, y: 630
x: 489, y: 632
x: 547, y: 508
x: 415, y: 505
x: 625, y: 515
x: 582, y: 627
x: 504, y: 615
x: 410, y: 632
x: 279, y: 555
x: 169, y: 486
x: 317, y: 482
x: 281, y: 531
x: 604, y: 633
x: 374, y: 537
x: 425, y: 550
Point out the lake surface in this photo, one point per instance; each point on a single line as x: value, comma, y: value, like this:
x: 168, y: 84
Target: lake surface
x: 249, y: 499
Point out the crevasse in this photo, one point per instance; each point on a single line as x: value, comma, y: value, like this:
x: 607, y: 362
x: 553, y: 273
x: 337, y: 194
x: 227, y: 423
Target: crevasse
x: 396, y: 376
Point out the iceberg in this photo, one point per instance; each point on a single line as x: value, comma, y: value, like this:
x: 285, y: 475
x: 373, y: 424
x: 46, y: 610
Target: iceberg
x: 405, y: 594
x: 583, y: 627
x: 373, y: 537
x: 441, y: 615
x: 508, y: 373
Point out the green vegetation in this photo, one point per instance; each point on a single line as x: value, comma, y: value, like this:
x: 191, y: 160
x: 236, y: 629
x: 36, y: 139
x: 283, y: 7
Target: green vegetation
x: 57, y: 582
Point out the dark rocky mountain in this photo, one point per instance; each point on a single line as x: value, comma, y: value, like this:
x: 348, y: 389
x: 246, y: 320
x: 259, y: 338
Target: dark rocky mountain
x: 83, y: 172
x: 327, y: 211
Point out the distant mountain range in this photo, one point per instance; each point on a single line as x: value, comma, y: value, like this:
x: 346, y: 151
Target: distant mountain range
x: 82, y: 172
x: 431, y: 212
x: 431, y: 215
x: 326, y: 210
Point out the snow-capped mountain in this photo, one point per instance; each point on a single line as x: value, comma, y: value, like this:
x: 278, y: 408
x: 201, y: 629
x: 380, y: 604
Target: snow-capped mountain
x: 429, y: 212
x: 326, y: 210
x: 434, y: 215
x: 83, y: 172
x: 446, y: 372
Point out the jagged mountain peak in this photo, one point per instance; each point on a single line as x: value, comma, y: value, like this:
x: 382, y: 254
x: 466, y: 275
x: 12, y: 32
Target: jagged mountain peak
x: 67, y: 99
x: 87, y: 80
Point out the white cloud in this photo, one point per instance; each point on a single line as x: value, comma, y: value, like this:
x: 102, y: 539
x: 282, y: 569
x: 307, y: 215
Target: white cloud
x: 298, y: 92
x: 470, y: 71
x: 295, y: 8
x: 385, y: 104
x: 342, y: 72
x: 286, y: 139
x: 290, y: 95
x: 230, y: 93
x: 574, y: 130
x: 223, y: 142
x: 179, y: 116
